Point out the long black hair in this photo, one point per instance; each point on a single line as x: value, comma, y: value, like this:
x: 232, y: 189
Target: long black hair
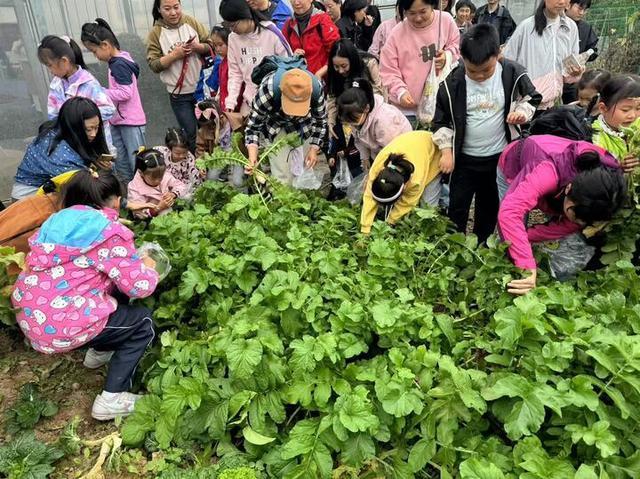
x: 98, y: 32
x: 350, y: 7
x: 355, y: 101
x: 597, y: 191
x: 345, y: 48
x: 70, y: 127
x: 91, y: 188
x: 54, y: 48
x: 539, y: 18
x: 396, y: 172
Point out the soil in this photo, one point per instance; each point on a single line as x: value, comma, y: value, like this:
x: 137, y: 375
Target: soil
x: 65, y: 381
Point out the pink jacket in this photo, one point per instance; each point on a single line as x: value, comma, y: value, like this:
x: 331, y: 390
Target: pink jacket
x: 545, y: 165
x: 123, y: 91
x: 140, y: 191
x: 384, y: 123
x: 78, y: 258
x: 381, y: 35
x: 244, y: 54
x: 406, y: 59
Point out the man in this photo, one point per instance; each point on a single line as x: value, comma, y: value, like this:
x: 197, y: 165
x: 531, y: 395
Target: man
x: 278, y: 11
x: 588, y: 41
x: 498, y: 16
x: 288, y: 102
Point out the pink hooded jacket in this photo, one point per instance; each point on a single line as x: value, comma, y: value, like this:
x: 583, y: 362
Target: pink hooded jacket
x: 543, y: 167
x: 384, y: 123
x: 78, y: 258
x: 406, y: 59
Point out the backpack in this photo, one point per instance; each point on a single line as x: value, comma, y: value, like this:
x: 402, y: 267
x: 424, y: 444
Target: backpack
x: 566, y: 121
x: 278, y: 66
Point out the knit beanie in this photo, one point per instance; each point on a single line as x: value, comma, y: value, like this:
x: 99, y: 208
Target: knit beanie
x: 235, y: 10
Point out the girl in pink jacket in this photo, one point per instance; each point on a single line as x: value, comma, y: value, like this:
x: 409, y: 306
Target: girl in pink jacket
x: 573, y: 182
x: 426, y: 38
x: 154, y: 184
x: 374, y: 123
x: 80, y: 261
x: 250, y: 41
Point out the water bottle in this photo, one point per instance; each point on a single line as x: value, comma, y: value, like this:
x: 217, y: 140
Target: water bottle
x: 576, y: 61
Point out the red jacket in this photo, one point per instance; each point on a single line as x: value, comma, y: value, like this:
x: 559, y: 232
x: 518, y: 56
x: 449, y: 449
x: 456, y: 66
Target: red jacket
x: 224, y: 80
x: 316, y: 40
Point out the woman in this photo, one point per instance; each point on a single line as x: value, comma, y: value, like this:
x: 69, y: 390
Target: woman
x: 541, y: 43
x: 574, y: 182
x: 403, y: 174
x: 355, y: 24
x: 74, y: 141
x: 425, y: 39
x: 311, y: 33
x: 173, y: 48
x: 334, y: 9
x: 346, y: 63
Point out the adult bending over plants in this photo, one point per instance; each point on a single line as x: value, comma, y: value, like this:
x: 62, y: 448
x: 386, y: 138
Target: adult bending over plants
x: 574, y: 182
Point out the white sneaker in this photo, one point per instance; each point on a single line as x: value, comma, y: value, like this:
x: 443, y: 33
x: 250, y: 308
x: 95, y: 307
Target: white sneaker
x: 114, y: 405
x: 94, y: 359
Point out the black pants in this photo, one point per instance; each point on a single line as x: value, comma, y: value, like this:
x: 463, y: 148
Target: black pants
x: 128, y: 333
x: 183, y: 107
x: 475, y: 178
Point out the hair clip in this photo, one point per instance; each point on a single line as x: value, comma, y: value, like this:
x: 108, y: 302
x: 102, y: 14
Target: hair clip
x: 393, y: 167
x: 94, y: 173
x: 66, y: 39
x: 141, y: 149
x: 355, y: 84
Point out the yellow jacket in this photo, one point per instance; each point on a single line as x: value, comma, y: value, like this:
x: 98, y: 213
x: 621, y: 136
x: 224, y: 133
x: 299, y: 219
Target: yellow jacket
x: 419, y: 149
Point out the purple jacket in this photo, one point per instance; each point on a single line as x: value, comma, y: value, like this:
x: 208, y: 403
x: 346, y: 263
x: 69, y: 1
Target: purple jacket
x: 123, y: 91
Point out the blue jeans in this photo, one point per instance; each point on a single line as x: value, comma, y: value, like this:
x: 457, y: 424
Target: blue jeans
x: 127, y: 140
x: 183, y: 107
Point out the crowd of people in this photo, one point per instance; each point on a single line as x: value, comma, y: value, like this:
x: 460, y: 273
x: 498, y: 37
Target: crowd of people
x: 358, y: 91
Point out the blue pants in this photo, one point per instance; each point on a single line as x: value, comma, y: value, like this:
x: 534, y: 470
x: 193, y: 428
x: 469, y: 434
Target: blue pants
x: 128, y: 332
x: 183, y: 107
x: 127, y: 140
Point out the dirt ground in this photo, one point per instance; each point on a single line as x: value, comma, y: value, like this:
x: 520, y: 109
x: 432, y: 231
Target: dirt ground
x: 72, y: 387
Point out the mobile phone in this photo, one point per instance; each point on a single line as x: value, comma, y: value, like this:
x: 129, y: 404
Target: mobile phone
x: 103, y: 158
x: 191, y: 40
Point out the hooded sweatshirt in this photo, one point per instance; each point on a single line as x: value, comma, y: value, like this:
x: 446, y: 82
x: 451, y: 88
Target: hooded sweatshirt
x: 123, y: 91
x: 78, y: 258
x: 244, y: 54
x: 537, y: 169
x: 163, y: 39
x: 419, y: 149
x: 384, y: 123
x: 407, y: 58
x: 381, y: 35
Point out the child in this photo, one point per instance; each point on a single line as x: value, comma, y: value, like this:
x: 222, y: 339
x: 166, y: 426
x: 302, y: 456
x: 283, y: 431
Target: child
x: 619, y: 107
x: 63, y: 59
x: 403, y: 174
x: 179, y: 161
x: 464, y: 11
x: 251, y: 40
x: 589, y: 88
x: 152, y: 183
x: 128, y: 121
x: 65, y: 299
x: 476, y: 106
x: 374, y: 123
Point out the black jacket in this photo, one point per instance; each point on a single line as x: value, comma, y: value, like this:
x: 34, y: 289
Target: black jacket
x: 451, y: 101
x: 588, y: 39
x: 504, y: 21
x: 360, y: 35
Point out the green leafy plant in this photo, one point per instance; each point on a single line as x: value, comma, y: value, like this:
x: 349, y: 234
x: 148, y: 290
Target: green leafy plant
x: 295, y: 343
x: 24, y: 457
x: 29, y: 408
x: 8, y: 258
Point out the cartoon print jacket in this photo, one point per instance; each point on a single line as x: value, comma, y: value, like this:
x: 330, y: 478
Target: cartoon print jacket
x: 78, y: 258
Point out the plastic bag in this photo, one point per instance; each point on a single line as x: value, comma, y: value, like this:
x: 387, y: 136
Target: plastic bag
x: 156, y: 253
x: 355, y: 190
x: 296, y: 161
x: 310, y: 179
x: 568, y: 256
x: 343, y: 176
x: 427, y: 106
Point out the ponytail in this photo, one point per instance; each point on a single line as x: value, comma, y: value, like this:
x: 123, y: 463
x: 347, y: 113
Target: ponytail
x: 53, y: 48
x: 98, y: 32
x: 588, y: 160
x: 355, y: 100
x: 176, y: 137
x: 540, y: 19
x: 149, y: 159
x: 91, y: 188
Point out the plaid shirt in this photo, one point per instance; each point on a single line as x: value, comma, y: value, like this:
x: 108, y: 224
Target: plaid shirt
x: 267, y: 120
